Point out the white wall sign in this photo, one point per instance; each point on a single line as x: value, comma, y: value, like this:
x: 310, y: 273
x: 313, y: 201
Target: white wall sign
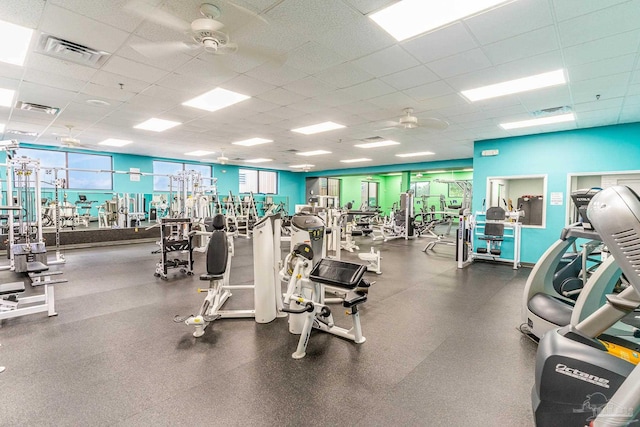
x: 556, y: 198
x: 134, y: 174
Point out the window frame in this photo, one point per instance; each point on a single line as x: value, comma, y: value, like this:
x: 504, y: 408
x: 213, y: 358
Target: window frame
x: 258, y: 172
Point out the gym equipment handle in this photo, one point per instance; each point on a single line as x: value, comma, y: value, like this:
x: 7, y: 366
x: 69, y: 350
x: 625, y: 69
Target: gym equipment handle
x: 308, y: 307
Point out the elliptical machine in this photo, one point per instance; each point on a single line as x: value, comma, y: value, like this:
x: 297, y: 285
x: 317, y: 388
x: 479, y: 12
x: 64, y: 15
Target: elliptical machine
x: 576, y: 381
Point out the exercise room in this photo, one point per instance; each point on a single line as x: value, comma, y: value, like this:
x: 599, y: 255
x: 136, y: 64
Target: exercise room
x: 296, y: 212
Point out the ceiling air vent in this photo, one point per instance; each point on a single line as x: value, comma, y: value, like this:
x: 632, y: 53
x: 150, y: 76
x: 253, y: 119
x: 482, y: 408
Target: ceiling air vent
x: 70, y: 51
x: 551, y: 111
x: 30, y: 106
x: 373, y: 139
x: 21, y: 132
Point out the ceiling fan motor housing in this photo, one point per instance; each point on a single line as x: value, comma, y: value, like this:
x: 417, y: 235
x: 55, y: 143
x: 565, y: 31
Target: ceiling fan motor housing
x: 409, y: 121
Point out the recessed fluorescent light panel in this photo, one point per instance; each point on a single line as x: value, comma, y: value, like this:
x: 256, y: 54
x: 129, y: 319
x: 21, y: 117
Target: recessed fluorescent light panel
x: 394, y: 174
x: 409, y: 18
x: 112, y: 142
x: 17, y: 40
x: 355, y: 160
x: 320, y: 127
x: 199, y: 153
x: 431, y: 172
x: 215, y: 99
x: 313, y: 153
x: 539, y: 122
x: 6, y: 97
x: 258, y: 160
x: 252, y: 141
x: 538, y: 81
x: 421, y: 153
x: 302, y: 166
x: 157, y: 125
x: 377, y: 144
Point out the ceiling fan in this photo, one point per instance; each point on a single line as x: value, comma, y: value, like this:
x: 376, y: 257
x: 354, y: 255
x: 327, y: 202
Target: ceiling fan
x: 409, y: 121
x: 69, y: 140
x: 204, y: 33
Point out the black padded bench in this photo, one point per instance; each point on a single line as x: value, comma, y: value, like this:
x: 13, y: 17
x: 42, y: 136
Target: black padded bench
x: 344, y: 275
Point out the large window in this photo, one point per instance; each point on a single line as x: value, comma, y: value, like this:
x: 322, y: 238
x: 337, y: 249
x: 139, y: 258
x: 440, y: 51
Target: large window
x: 257, y: 181
x: 161, y: 170
x: 101, y: 179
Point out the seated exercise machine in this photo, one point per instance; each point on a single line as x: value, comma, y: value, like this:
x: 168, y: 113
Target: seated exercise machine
x: 309, y: 276
x: 577, y: 382
x: 266, y: 249
x: 553, y: 288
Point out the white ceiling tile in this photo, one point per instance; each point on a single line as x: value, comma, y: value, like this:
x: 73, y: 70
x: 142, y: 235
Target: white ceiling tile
x: 444, y: 42
x: 602, y: 68
x: 430, y: 90
x: 308, y: 106
x: 567, y: 9
x: 107, y: 79
x: 275, y: 74
x: 246, y: 85
x: 134, y: 70
x: 368, y: 6
x: 344, y: 75
x: 336, y: 98
x: 74, y: 27
x: 312, y: 58
x: 608, y: 47
x: 285, y: 113
x: 367, y: 90
x: 386, y: 61
x: 54, y: 80
x: 258, y: 105
x: 524, y: 45
x: 167, y: 58
x: 462, y: 63
x: 56, y: 66
x: 601, y: 104
x: 310, y: 86
x: 281, y: 96
x: 359, y: 38
x: 628, y: 114
x: 510, y: 20
x: 411, y: 77
x: 311, y: 16
x: 396, y: 100
x: 603, y: 23
x: 598, y: 118
x: 359, y: 107
x: 45, y: 95
x: 108, y: 12
x: 551, y: 97
x: 607, y: 87
x: 513, y: 70
x: 93, y: 90
x: 22, y: 12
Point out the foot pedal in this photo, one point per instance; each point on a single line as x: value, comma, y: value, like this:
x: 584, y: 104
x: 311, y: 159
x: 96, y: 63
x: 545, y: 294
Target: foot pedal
x: 211, y: 318
x: 179, y: 319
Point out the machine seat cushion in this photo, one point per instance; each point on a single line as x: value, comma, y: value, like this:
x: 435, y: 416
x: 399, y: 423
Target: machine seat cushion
x: 36, y: 267
x: 11, y: 288
x: 210, y: 277
x: 356, y: 232
x: 336, y: 273
x: 551, y: 309
x: 354, y: 298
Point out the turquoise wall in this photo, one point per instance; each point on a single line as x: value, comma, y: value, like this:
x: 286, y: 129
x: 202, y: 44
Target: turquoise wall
x: 557, y: 154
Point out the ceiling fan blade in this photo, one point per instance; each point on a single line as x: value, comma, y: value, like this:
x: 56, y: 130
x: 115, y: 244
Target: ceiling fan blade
x: 159, y: 16
x: 263, y: 54
x: 247, y: 11
x: 158, y: 50
x: 434, y: 123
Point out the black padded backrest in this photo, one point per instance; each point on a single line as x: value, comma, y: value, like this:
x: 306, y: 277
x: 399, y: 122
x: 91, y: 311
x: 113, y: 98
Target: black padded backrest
x: 208, y: 224
x: 495, y: 214
x: 218, y: 222
x: 494, y: 229
x: 217, y: 253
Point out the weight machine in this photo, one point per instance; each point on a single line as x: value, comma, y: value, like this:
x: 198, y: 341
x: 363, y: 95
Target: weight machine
x: 175, y: 238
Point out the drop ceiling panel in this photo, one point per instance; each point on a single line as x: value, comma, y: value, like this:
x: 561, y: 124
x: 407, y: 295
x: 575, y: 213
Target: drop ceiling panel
x: 603, y: 23
x: 167, y: 58
x: 602, y: 68
x: 313, y: 58
x: 26, y: 13
x: 48, y: 64
x: 607, y: 87
x: 567, y: 9
x: 310, y: 86
x: 357, y: 39
x: 410, y: 77
x: 429, y: 91
x: 608, y: 47
x: 386, y: 61
x: 462, y: 63
x: 525, y: 45
x: 601, y: 104
x: 133, y: 70
x: 247, y: 86
x: 344, y: 75
x: 368, y: 90
x: 312, y: 17
x: 442, y: 43
x: 556, y: 96
x: 281, y: 97
x: 107, y: 12
x: 45, y: 95
x: 510, y: 20
x: 275, y: 74
x: 54, y: 80
x: 74, y: 27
